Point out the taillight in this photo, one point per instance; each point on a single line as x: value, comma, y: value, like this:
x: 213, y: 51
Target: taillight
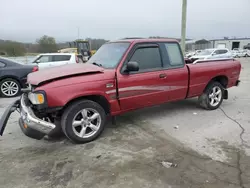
x: 77, y: 60
x: 35, y: 68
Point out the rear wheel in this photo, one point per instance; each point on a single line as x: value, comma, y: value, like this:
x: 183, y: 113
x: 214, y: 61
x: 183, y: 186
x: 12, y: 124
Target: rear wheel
x: 9, y: 88
x: 83, y: 121
x: 212, y: 97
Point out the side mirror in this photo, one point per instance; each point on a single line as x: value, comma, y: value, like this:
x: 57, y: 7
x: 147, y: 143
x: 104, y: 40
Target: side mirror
x: 37, y: 61
x: 132, y: 66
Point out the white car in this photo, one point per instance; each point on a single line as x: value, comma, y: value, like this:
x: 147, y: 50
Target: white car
x: 236, y: 52
x: 190, y: 54
x: 213, y: 53
x: 246, y: 53
x: 55, y: 59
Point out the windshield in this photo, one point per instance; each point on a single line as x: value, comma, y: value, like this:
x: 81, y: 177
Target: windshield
x: 34, y: 59
x: 83, y: 46
x: 109, y: 55
x: 206, y: 52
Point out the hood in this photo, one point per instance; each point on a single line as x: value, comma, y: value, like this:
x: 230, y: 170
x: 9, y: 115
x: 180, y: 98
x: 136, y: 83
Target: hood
x: 60, y: 72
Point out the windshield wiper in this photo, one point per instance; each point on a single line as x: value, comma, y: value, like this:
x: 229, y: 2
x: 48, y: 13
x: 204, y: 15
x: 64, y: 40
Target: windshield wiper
x: 99, y: 65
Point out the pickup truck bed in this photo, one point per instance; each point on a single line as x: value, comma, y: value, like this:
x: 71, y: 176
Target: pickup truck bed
x: 224, y: 71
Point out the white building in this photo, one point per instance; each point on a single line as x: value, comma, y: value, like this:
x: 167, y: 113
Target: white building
x: 192, y: 45
x: 230, y: 43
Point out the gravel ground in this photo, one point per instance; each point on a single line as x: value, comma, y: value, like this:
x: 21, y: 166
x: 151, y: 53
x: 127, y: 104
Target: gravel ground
x: 211, y: 149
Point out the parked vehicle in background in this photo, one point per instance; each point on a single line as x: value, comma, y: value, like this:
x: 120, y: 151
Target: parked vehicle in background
x: 246, y: 53
x: 190, y: 54
x: 121, y: 76
x: 213, y: 53
x: 237, y: 52
x: 13, y: 77
x: 247, y: 46
x: 81, y: 48
x: 49, y: 60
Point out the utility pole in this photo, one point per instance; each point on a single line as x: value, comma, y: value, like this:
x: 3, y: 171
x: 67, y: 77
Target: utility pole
x: 78, y: 32
x: 183, y: 25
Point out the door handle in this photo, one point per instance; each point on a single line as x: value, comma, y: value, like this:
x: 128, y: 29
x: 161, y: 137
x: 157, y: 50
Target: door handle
x: 162, y: 76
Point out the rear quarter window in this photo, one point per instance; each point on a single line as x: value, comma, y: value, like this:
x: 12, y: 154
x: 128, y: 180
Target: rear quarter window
x: 174, y: 55
x: 61, y: 57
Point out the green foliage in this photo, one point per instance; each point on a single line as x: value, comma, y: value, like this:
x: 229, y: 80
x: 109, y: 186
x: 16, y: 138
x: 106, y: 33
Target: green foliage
x: 96, y: 43
x: 47, y: 44
x: 11, y: 48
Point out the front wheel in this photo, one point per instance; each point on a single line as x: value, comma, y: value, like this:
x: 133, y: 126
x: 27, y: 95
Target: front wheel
x: 212, y: 97
x: 83, y: 121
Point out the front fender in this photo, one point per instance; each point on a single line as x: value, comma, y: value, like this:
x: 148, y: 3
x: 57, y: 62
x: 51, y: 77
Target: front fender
x: 59, y: 97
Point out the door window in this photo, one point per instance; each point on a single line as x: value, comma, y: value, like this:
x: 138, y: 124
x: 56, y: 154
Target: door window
x: 222, y: 51
x: 216, y: 52
x: 45, y: 59
x: 61, y: 57
x: 148, y: 58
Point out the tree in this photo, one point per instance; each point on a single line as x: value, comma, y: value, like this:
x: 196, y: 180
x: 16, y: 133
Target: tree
x: 96, y: 43
x: 12, y: 48
x: 47, y: 44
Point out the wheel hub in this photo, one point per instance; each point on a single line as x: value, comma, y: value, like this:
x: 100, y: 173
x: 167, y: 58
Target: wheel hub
x: 86, y: 123
x: 215, y: 96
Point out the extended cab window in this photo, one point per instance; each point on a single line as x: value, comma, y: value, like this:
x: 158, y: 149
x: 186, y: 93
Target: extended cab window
x: 147, y: 57
x: 174, y: 54
x: 61, y: 57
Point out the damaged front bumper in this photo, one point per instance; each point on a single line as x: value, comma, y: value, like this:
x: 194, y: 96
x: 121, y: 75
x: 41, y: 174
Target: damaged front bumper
x: 27, y: 115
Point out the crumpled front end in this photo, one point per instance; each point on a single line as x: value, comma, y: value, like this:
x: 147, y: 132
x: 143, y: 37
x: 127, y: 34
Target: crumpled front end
x: 31, y: 120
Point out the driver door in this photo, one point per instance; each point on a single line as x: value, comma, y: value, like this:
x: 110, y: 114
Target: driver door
x: 146, y: 86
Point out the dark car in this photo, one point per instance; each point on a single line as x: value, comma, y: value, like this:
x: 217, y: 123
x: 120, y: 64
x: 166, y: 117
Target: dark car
x: 13, y: 77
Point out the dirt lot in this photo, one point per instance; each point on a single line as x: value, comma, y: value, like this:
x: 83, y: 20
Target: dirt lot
x: 211, y: 149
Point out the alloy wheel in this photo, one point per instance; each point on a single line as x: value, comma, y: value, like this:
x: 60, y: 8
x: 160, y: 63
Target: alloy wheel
x: 9, y: 88
x: 86, y: 123
x: 215, y: 96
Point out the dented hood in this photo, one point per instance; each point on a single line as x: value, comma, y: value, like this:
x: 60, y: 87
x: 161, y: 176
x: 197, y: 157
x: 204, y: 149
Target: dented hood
x: 59, y: 72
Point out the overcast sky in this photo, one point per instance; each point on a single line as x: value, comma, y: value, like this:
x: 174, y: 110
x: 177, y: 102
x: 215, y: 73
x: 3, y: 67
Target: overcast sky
x: 26, y: 20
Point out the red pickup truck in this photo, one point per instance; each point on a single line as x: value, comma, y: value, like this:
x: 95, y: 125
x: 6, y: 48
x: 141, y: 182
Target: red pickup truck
x: 122, y: 76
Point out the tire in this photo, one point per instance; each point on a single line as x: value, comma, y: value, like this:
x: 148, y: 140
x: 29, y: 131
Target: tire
x: 82, y: 112
x: 8, y: 82
x: 211, y: 100
x: 30, y: 132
